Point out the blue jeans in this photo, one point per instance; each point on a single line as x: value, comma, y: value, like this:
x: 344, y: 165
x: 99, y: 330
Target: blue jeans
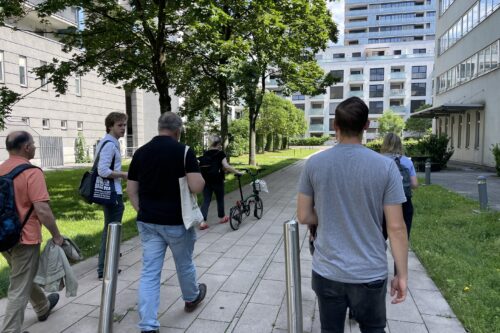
x: 155, y: 239
x: 112, y: 213
x: 218, y: 189
x: 366, y: 300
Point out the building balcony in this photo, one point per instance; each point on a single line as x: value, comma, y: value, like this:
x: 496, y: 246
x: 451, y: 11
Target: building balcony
x: 316, y: 127
x: 67, y: 15
x: 350, y: 13
x: 317, y: 98
x: 356, y: 24
x: 272, y: 83
x: 397, y: 92
x: 392, y: 21
x: 356, y: 35
x: 356, y: 94
x: 398, y: 108
x: 429, y: 55
x: 356, y: 77
x: 397, y: 76
x: 316, y: 111
x: 399, y: 33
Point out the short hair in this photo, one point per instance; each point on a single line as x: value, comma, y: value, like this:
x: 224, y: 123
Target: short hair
x: 215, y: 140
x: 169, y: 121
x: 15, y: 140
x: 392, y: 144
x: 113, y: 118
x: 351, y: 116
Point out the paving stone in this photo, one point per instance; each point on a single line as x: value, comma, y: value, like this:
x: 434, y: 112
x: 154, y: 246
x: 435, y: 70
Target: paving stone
x: 252, y: 263
x: 269, y: 292
x: 438, y: 324
x: 275, y: 271
x: 207, y: 259
x: 224, y: 266
x: 257, y: 318
x: 222, y: 306
x: 237, y: 251
x: 240, y: 281
x: 405, y: 327
x: 262, y: 250
x: 207, y: 326
x: 420, y: 280
x: 87, y: 324
x: 432, y: 303
x: 62, y: 318
x: 220, y: 246
x: 406, y: 311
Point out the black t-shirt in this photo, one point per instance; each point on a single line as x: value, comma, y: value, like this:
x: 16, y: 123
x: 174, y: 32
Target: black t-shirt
x: 217, y: 156
x: 157, y: 166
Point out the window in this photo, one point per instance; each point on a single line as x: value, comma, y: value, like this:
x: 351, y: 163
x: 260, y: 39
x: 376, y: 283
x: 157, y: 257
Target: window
x: 300, y: 106
x: 419, y: 72
x: 446, y: 126
x: 338, y: 75
x: 338, y: 55
x: 43, y: 79
x: 45, y: 123
x: 419, y: 51
x: 467, y: 131
x: 415, y: 104
x: 337, y: 92
x: 397, y: 52
x: 2, y: 73
x: 376, y: 90
x: 377, y: 107
x: 459, y: 140
x: 356, y: 54
x: 78, y: 85
x: 298, y: 97
x: 332, y: 107
x: 79, y: 125
x: 23, y: 72
x: 478, y: 130
x: 64, y: 125
x: 25, y: 120
x: 376, y: 74
x: 418, y: 89
x: 452, y: 130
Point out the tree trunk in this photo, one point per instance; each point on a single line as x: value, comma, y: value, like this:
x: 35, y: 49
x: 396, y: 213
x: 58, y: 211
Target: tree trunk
x: 284, y: 142
x: 276, y: 142
x: 164, y: 100
x: 269, y: 142
x: 224, y: 126
x: 251, y: 156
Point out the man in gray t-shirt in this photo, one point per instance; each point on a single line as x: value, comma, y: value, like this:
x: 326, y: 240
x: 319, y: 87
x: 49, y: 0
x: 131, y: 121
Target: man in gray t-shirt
x: 345, y: 191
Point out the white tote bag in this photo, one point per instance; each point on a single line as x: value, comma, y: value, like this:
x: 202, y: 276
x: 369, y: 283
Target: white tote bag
x: 191, y: 213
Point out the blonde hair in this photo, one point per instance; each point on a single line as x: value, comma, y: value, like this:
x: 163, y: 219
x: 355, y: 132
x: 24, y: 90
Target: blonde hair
x: 392, y: 144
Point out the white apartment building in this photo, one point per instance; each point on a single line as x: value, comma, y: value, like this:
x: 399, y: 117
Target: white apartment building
x: 55, y: 121
x: 467, y: 100
x: 386, y: 76
x: 389, y: 21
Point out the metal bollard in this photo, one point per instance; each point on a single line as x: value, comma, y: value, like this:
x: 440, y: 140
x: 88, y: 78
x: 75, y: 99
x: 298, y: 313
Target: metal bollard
x: 483, y: 192
x: 428, y: 171
x: 292, y: 272
x: 110, y: 278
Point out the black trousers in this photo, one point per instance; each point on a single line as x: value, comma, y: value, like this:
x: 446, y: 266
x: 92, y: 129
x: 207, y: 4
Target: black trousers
x: 218, y: 189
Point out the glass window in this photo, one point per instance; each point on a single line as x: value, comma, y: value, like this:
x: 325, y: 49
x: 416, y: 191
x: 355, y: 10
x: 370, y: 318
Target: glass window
x: 473, y: 65
x: 418, y: 89
x: 300, y: 106
x: 376, y: 74
x: 332, y: 107
x: 419, y: 72
x: 79, y: 125
x: 337, y: 92
x: 475, y: 15
x: 64, y: 124
x: 377, y: 107
x: 496, y: 4
x: 487, y: 59
x: 478, y: 129
x: 467, y: 131
x: 470, y: 18
x: 376, y: 90
x: 452, y: 129
x: 78, y: 85
x: 338, y: 75
x: 481, y: 62
x: 494, y: 55
x: 482, y: 9
x: 331, y: 125
x: 2, y: 73
x: 43, y: 80
x: 298, y: 97
x: 459, y: 139
x: 415, y: 104
x: 356, y: 54
x: 23, y: 72
x: 338, y: 55
x: 45, y: 123
x: 419, y: 51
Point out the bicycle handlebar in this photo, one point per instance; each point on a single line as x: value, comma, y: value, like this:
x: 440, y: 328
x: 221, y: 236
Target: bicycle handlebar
x: 249, y: 171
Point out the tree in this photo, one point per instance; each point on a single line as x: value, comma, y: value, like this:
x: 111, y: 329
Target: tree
x: 419, y: 125
x: 390, y: 122
x: 272, y: 118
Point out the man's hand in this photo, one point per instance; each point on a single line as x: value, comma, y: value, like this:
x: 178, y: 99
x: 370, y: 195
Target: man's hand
x: 58, y: 240
x: 398, y: 288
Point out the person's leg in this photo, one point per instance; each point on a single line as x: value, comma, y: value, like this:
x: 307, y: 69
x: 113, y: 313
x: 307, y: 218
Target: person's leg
x: 181, y: 243
x: 332, y: 303
x: 367, y: 301
x: 23, y: 260
x: 153, y: 254
x: 207, y: 197
x: 112, y: 213
x: 219, y: 195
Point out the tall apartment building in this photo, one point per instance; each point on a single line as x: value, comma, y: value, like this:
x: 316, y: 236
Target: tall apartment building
x: 385, y: 76
x: 467, y: 76
x: 388, y: 21
x: 56, y: 121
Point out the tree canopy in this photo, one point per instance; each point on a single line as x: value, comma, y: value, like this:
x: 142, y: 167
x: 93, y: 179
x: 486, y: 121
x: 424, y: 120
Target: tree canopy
x: 390, y: 122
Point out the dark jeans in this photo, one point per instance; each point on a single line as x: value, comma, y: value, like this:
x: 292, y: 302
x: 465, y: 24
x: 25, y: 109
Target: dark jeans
x: 218, y: 189
x: 112, y: 213
x: 367, y: 301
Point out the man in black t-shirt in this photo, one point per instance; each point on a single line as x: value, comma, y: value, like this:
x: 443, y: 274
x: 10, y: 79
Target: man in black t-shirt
x: 153, y: 190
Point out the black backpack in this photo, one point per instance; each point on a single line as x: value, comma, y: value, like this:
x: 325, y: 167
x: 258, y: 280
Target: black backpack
x: 405, y: 175
x: 10, y: 225
x: 209, y: 166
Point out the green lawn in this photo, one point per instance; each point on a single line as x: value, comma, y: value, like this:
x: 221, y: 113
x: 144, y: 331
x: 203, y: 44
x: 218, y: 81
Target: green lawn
x: 461, y: 252
x: 83, y: 222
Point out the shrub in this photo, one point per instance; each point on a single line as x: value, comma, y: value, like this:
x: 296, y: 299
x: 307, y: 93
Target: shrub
x: 81, y: 151
x: 411, y: 147
x: 436, y: 147
x: 375, y: 144
x: 238, y: 137
x: 495, y: 149
x: 312, y: 141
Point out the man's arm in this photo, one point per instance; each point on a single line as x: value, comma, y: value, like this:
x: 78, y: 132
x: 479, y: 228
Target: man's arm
x: 195, y: 181
x: 306, y: 213
x: 104, y: 167
x: 133, y: 193
x: 396, y: 230
x: 44, y: 214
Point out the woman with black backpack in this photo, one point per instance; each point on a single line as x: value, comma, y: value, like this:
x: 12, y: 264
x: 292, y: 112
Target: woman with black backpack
x: 213, y: 165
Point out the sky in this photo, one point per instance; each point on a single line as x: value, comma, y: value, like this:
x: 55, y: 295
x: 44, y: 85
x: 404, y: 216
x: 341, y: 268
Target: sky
x: 337, y: 9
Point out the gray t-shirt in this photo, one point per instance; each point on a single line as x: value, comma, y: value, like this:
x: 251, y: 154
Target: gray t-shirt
x: 350, y: 184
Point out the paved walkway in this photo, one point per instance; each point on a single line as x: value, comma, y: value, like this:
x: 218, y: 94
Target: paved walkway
x: 244, y: 272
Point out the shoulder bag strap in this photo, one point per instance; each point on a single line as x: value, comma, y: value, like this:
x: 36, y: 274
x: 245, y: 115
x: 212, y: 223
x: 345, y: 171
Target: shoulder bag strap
x: 96, y: 161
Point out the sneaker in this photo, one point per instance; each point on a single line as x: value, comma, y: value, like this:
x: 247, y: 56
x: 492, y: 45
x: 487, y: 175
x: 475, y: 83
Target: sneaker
x: 152, y: 331
x: 190, y: 306
x: 100, y: 276
x: 53, y: 299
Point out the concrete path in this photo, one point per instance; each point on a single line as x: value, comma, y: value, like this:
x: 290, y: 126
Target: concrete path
x: 244, y: 272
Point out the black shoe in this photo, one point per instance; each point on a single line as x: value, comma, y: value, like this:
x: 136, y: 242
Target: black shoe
x: 153, y: 331
x: 53, y: 299
x: 100, y: 276
x: 190, y: 306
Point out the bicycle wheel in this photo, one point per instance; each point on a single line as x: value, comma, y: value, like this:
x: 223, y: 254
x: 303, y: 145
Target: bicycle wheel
x: 247, y: 207
x: 235, y: 218
x: 259, y: 208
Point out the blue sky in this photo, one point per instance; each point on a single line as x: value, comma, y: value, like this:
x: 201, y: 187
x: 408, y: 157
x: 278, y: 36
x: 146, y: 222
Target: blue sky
x: 337, y: 9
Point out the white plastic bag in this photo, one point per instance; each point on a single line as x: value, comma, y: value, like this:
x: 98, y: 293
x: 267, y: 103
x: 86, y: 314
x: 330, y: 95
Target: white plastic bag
x: 191, y: 213
x: 261, y: 185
